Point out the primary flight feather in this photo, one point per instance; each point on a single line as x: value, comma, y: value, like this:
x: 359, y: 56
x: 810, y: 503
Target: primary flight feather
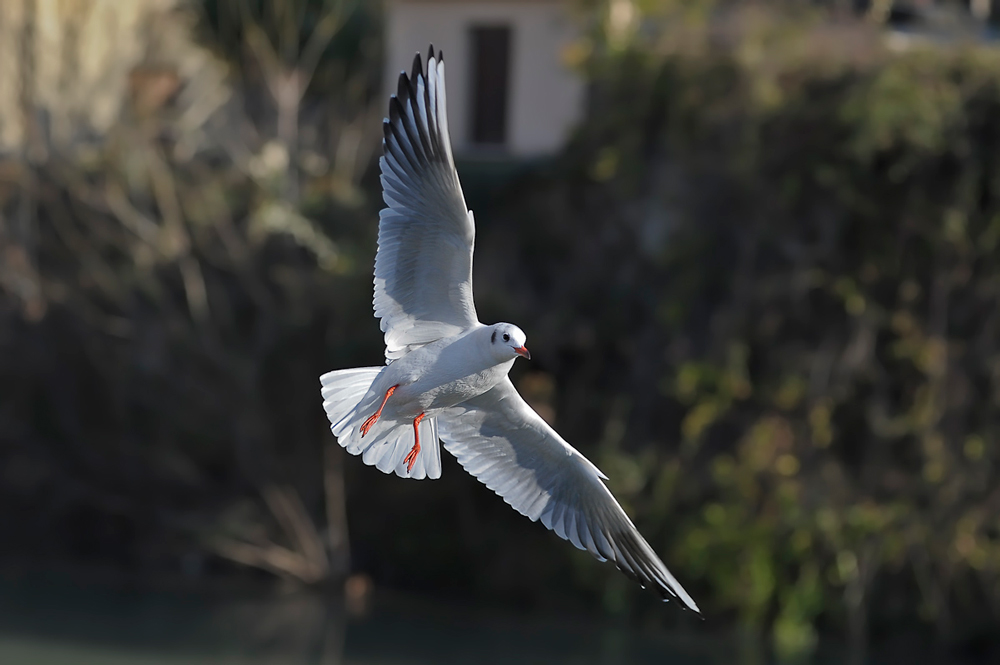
x: 446, y: 373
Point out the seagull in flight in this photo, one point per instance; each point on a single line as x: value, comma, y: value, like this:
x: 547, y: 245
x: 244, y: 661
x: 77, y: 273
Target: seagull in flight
x: 445, y: 377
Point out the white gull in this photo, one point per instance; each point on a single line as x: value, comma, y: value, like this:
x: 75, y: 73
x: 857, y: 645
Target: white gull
x: 446, y: 373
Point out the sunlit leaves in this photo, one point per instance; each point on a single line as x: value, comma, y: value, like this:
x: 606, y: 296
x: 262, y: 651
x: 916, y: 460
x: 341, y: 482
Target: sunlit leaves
x: 827, y: 299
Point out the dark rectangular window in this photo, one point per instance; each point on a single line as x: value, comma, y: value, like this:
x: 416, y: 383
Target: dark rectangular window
x: 490, y: 80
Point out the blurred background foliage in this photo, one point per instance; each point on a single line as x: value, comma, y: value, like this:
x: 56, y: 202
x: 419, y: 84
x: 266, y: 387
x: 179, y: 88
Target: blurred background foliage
x: 761, y: 286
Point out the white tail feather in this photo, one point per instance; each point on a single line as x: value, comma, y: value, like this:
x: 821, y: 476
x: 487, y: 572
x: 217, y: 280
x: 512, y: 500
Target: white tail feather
x: 349, y: 400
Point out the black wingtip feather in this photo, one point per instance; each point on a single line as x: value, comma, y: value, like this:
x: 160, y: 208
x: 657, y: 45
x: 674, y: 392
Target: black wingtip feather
x: 395, y: 110
x: 418, y: 66
x: 403, y: 88
x: 640, y: 570
x: 411, y: 136
x: 412, y: 82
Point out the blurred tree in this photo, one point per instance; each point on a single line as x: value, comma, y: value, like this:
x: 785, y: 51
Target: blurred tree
x: 795, y: 228
x: 150, y: 214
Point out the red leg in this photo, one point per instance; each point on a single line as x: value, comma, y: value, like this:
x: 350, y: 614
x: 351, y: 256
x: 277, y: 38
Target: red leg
x: 411, y: 457
x: 367, y: 425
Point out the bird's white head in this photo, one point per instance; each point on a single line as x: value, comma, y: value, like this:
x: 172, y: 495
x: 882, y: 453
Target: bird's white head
x: 507, y: 342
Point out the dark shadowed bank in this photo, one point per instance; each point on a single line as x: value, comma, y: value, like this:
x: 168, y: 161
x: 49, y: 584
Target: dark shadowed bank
x: 760, y: 288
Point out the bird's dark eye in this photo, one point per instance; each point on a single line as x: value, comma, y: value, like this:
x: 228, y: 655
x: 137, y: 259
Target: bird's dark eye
x: 506, y: 337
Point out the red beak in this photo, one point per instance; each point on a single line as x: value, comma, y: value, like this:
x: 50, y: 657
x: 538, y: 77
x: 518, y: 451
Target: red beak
x: 523, y: 352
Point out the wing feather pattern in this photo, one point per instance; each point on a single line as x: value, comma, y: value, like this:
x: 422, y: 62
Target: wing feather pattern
x: 423, y: 269
x: 501, y: 441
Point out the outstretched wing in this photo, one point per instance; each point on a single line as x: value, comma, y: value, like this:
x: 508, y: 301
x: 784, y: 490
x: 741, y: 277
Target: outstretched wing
x: 423, y: 269
x: 501, y: 441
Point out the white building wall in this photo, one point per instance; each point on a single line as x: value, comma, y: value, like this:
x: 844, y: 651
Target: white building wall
x: 545, y: 98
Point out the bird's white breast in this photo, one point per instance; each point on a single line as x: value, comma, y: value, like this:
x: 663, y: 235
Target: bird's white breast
x: 442, y: 374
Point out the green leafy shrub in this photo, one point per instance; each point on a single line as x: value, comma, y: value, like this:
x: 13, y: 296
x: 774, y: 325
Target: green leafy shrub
x: 796, y: 314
